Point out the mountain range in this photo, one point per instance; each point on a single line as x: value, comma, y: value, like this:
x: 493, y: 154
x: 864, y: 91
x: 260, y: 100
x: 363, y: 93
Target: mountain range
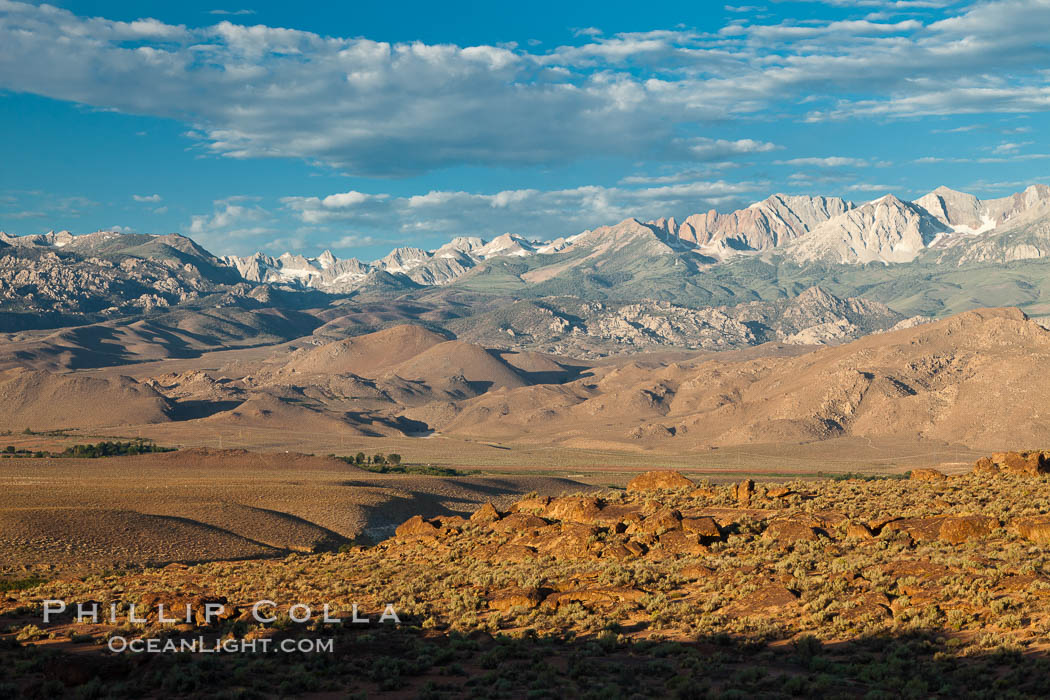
x: 830, y: 319
x: 792, y: 269
x: 942, y: 225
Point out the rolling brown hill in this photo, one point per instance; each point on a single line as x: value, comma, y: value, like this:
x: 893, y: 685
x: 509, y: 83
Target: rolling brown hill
x: 480, y: 368
x: 365, y: 355
x: 39, y: 400
x: 276, y: 413
x: 977, y: 379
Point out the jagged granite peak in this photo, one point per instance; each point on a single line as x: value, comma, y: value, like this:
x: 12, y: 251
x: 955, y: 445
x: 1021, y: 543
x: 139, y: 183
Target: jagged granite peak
x: 509, y: 244
x: 402, y: 259
x: 963, y: 212
x: 1022, y: 207
x: 885, y: 230
x: 62, y: 239
x: 655, y: 239
x: 324, y: 272
x: 771, y: 223
x: 326, y: 259
x: 458, y: 246
x: 945, y: 226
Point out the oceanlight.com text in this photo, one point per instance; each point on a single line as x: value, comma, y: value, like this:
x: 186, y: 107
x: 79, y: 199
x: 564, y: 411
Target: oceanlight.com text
x: 120, y: 645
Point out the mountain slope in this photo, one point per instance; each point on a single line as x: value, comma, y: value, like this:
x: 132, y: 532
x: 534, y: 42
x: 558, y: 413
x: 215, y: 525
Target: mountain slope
x: 367, y: 355
x: 885, y: 230
x: 971, y: 379
x: 40, y: 400
x: 771, y: 223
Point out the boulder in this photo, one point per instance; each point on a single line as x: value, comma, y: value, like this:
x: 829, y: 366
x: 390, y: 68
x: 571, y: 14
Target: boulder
x: 1028, y: 463
x: 927, y: 475
x: 868, y: 606
x: 778, y: 492
x: 450, y: 522
x: 959, y: 529
x: 636, y: 548
x: 681, y: 542
x: 617, y: 516
x: 616, y: 551
x: 659, y: 481
x: 416, y: 526
x: 510, y: 598
x: 744, y: 491
x: 706, y: 528
x: 573, y: 509
x: 572, y: 542
x: 658, y: 523
x: 594, y: 597
x: 204, y: 616
x: 953, y: 529
x: 985, y: 467
x: 519, y: 522
x: 789, y: 531
x: 485, y: 514
x: 1035, y: 528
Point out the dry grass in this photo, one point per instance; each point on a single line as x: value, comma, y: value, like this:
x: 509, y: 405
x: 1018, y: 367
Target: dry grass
x: 904, y: 612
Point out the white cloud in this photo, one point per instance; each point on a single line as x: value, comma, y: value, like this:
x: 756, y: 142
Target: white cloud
x: 377, y: 108
x: 679, y: 176
x: 232, y: 218
x: 1010, y: 148
x: 146, y: 197
x: 713, y: 149
x: 356, y: 241
x: 542, y: 213
x: 865, y: 187
x: 829, y: 162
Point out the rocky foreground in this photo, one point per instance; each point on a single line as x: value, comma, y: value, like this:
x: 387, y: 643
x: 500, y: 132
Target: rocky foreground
x: 922, y: 587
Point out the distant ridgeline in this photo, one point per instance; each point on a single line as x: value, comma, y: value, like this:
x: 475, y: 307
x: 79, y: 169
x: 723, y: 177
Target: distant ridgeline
x: 943, y: 253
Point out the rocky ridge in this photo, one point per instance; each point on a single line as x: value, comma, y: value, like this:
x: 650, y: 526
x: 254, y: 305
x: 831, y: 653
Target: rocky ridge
x: 579, y: 328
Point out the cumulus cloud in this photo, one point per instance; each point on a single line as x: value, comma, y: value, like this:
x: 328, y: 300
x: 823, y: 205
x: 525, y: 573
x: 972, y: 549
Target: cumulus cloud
x: 714, y: 149
x: 1010, y: 148
x: 867, y: 187
x: 829, y: 162
x: 377, y: 108
x: 146, y: 197
x: 532, y: 212
x: 239, y: 217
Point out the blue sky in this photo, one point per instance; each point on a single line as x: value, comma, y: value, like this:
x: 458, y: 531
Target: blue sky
x: 362, y: 126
